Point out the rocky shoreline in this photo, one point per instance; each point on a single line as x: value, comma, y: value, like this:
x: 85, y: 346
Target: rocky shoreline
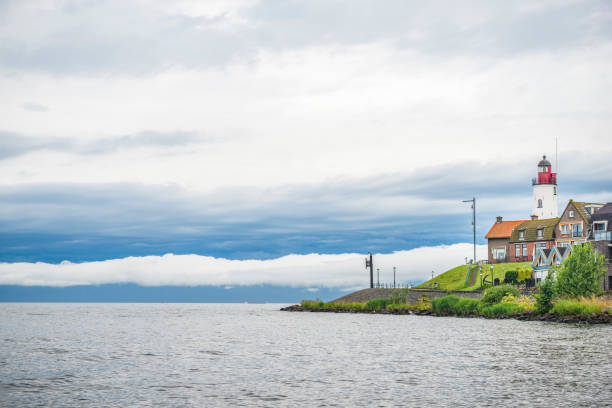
x: 601, y: 318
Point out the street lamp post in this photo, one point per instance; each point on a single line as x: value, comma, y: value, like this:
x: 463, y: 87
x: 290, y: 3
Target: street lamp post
x: 473, y: 201
x: 378, y: 277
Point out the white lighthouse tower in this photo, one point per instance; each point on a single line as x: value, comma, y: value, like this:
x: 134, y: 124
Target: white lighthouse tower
x: 545, y: 191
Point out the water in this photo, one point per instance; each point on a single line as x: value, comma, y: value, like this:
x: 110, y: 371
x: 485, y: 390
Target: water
x: 207, y: 355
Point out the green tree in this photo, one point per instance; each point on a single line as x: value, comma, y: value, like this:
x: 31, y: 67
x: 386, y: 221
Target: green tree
x: 581, y: 273
x: 546, y: 295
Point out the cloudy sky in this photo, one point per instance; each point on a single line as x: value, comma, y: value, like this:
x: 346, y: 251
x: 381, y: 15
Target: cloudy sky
x: 293, y: 133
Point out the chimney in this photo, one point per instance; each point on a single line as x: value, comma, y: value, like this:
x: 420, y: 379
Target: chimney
x: 499, y: 220
x: 534, y: 217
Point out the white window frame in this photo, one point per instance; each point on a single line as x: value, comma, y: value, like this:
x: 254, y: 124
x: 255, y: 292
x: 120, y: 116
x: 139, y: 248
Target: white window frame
x: 540, y: 232
x: 571, y: 214
x: 604, y: 223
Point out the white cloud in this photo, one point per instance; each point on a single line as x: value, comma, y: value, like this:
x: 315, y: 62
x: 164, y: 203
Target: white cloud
x: 312, y: 270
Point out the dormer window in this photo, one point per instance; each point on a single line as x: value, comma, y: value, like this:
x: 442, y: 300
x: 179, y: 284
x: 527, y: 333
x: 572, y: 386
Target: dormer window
x: 571, y: 214
x: 589, y: 210
x: 521, y: 234
x: 540, y: 232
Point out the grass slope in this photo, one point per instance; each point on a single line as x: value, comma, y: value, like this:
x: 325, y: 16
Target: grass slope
x: 454, y: 279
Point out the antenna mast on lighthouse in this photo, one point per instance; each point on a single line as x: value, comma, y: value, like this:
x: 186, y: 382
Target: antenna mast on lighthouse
x: 556, y: 155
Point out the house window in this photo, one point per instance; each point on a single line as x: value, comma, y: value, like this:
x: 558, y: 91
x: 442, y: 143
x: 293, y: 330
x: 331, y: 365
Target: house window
x: 565, y: 229
x: 540, y: 232
x: 589, y: 209
x: 499, y: 253
x: 563, y: 244
x: 576, y: 230
x: 571, y: 214
x: 521, y: 234
x: 541, y: 245
x: 524, y: 249
x: 539, y: 203
x: 599, y: 226
x: 517, y: 250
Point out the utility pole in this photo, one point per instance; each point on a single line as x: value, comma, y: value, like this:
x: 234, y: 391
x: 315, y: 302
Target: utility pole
x: 394, y: 277
x: 370, y: 265
x: 473, y: 201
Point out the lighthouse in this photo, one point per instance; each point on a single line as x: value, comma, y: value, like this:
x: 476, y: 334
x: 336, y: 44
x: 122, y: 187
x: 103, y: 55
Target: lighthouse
x: 545, y: 191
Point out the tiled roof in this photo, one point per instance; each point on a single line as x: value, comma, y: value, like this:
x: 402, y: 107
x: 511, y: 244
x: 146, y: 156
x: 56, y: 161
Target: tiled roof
x: 606, y: 209
x: 531, y: 230
x: 581, y: 208
x: 502, y: 229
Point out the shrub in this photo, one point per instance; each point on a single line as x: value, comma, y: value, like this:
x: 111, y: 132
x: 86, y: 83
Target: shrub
x: 524, y: 272
x: 467, y: 306
x: 501, y: 309
x: 524, y: 302
x: 332, y: 305
x: 398, y: 296
x: 581, y: 273
x: 313, y: 304
x: 496, y: 294
x: 376, y: 304
x: 512, y: 277
x: 445, y: 305
x: 546, y: 295
x: 396, y: 306
x: 573, y: 307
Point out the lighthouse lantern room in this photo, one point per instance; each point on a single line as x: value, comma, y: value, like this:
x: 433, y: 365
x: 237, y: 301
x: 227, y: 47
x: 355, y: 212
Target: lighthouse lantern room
x: 545, y: 191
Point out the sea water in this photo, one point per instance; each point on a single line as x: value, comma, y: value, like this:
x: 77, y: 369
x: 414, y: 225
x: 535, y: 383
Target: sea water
x: 209, y: 355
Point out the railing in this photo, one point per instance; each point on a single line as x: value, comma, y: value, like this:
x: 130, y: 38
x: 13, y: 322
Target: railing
x: 602, y: 236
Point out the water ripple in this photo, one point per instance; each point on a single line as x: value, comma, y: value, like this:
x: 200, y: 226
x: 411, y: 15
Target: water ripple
x: 210, y: 355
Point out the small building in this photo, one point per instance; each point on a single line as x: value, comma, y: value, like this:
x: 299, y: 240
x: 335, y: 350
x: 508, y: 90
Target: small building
x: 575, y: 223
x: 530, y: 236
x: 546, y: 259
x: 498, y: 239
x: 601, y: 236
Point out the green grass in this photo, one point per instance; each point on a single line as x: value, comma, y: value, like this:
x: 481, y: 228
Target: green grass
x: 454, y: 279
x: 572, y: 307
x: 376, y: 304
x: 501, y: 309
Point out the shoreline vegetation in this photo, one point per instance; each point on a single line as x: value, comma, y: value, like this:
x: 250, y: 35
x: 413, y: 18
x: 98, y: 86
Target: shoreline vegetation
x: 569, y: 294
x: 594, y: 310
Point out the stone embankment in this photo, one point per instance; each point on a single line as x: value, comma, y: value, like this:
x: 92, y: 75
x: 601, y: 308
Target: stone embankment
x: 602, y: 318
x: 412, y: 295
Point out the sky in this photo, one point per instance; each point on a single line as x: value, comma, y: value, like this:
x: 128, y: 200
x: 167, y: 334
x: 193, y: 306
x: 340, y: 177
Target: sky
x: 243, y: 143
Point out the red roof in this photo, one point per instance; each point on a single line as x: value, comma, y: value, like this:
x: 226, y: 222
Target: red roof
x: 503, y: 229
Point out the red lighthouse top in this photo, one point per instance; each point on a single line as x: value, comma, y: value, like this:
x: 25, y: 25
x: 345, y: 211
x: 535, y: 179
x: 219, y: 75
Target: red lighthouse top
x: 545, y: 175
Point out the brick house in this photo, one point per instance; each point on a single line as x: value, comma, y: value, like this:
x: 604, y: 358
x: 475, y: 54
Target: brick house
x: 575, y: 223
x: 601, y: 237
x: 530, y: 236
x: 499, y: 240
